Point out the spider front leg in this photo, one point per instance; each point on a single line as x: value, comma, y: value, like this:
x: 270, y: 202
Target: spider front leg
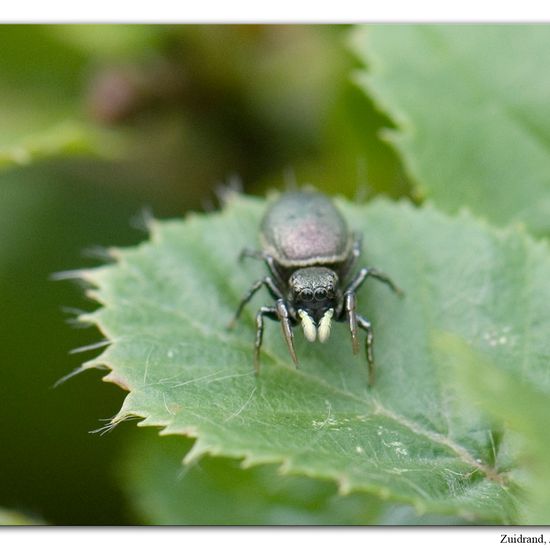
x: 355, y: 321
x: 271, y: 313
x: 349, y: 308
x: 369, y: 339
x: 284, y: 318
x: 278, y: 313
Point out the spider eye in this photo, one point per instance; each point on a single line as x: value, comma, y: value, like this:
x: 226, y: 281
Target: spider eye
x: 321, y: 294
x: 306, y: 295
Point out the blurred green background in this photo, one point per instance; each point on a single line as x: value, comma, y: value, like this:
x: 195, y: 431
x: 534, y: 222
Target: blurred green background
x: 99, y: 123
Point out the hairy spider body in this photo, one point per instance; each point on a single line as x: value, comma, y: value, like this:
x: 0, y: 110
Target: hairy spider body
x: 311, y: 255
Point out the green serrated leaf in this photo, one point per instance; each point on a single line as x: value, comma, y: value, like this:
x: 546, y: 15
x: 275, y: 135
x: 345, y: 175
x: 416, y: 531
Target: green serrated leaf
x: 470, y: 103
x: 411, y: 438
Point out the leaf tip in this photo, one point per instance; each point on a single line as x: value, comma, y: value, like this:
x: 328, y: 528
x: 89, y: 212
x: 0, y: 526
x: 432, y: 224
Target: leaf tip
x: 116, y: 378
x: 229, y: 191
x: 197, y: 451
x: 70, y: 274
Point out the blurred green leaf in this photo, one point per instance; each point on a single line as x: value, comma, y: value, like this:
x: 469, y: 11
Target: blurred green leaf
x: 166, y: 303
x: 33, y: 60
x: 218, y: 491
x: 63, y: 139
x: 9, y: 517
x: 471, y: 106
x: 110, y: 42
x: 519, y: 404
x: 41, y: 87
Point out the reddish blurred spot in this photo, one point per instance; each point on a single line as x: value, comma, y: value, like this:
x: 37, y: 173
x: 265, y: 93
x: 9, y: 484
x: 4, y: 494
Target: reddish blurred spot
x: 116, y: 94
